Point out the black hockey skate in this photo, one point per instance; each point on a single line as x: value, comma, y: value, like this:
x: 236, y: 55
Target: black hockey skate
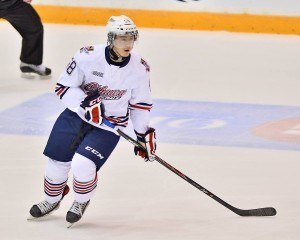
x: 30, y: 71
x: 44, y: 208
x: 76, y: 211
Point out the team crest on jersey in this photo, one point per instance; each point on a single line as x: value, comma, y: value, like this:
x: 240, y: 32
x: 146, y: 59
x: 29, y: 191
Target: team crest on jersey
x: 110, y: 94
x: 90, y: 87
x: 105, y: 92
x: 87, y: 49
x: 145, y: 64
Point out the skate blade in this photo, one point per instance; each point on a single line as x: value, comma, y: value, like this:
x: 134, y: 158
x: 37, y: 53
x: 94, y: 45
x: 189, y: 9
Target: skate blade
x: 69, y: 225
x: 34, y: 75
x: 28, y: 75
x: 31, y: 218
x: 45, y: 77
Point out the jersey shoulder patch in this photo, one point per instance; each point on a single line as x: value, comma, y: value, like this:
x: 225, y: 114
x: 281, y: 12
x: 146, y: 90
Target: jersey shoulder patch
x: 146, y: 65
x: 87, y: 49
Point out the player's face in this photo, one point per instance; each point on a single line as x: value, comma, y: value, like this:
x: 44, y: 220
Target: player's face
x: 123, y: 45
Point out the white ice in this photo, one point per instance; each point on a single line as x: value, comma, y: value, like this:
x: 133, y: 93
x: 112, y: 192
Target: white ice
x: 138, y: 200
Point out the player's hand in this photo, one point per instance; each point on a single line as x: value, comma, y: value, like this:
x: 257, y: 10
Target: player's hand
x: 27, y: 1
x: 93, y: 107
x: 148, y: 141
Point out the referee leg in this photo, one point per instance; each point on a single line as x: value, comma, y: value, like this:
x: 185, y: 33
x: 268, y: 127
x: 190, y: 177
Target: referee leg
x: 27, y: 22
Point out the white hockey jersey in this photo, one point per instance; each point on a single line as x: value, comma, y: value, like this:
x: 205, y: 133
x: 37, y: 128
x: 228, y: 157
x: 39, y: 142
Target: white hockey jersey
x: 125, y: 89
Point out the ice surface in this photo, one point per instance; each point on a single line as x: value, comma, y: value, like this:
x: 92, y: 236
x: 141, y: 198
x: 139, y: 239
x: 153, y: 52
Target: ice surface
x: 137, y: 200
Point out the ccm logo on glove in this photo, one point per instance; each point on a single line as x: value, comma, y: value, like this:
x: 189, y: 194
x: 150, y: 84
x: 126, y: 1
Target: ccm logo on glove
x: 93, y: 107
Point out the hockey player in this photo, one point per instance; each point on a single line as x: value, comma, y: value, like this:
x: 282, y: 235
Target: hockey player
x: 22, y: 16
x: 101, y: 87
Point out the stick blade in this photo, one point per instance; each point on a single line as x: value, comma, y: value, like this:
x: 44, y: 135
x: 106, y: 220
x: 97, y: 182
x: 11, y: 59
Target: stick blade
x: 268, y: 211
x: 258, y: 212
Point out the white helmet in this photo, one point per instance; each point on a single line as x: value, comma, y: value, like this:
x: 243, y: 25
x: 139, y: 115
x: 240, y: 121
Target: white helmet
x: 120, y: 25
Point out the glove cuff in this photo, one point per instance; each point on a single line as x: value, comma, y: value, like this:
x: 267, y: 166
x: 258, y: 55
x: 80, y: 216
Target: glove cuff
x: 141, y: 137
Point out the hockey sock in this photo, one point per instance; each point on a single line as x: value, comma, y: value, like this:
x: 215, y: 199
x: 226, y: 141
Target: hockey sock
x: 85, y: 178
x: 56, y: 177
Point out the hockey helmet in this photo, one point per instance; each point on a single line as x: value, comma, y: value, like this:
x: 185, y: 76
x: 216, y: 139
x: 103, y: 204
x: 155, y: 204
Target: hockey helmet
x: 120, y: 26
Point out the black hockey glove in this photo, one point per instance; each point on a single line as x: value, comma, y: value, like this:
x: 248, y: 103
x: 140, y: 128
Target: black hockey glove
x: 93, y: 107
x: 148, y: 141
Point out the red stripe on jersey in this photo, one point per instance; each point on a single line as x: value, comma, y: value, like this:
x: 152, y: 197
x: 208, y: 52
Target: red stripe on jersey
x: 141, y: 106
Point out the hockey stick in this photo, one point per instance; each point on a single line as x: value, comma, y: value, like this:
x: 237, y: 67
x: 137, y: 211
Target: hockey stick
x: 267, y: 211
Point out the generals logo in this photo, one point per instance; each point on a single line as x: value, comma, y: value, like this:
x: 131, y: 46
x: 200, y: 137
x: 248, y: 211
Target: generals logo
x: 90, y: 87
x: 105, y: 92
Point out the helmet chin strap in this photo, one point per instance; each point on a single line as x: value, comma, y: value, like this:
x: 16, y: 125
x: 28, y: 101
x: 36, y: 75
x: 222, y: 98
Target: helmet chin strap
x: 115, y: 56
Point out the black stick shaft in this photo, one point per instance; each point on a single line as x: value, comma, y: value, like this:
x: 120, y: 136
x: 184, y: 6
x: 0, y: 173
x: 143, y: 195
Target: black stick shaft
x: 269, y: 211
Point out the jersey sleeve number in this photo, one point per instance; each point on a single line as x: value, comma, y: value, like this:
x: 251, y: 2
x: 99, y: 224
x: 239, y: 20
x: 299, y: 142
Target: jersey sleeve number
x: 71, y: 67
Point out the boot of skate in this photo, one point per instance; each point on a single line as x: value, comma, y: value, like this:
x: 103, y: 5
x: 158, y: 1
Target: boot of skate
x: 76, y: 211
x: 43, y: 208
x: 30, y: 71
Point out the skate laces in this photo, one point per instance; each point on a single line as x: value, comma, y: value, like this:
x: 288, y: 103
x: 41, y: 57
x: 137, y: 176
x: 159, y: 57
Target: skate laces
x: 45, y: 206
x: 78, y: 208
